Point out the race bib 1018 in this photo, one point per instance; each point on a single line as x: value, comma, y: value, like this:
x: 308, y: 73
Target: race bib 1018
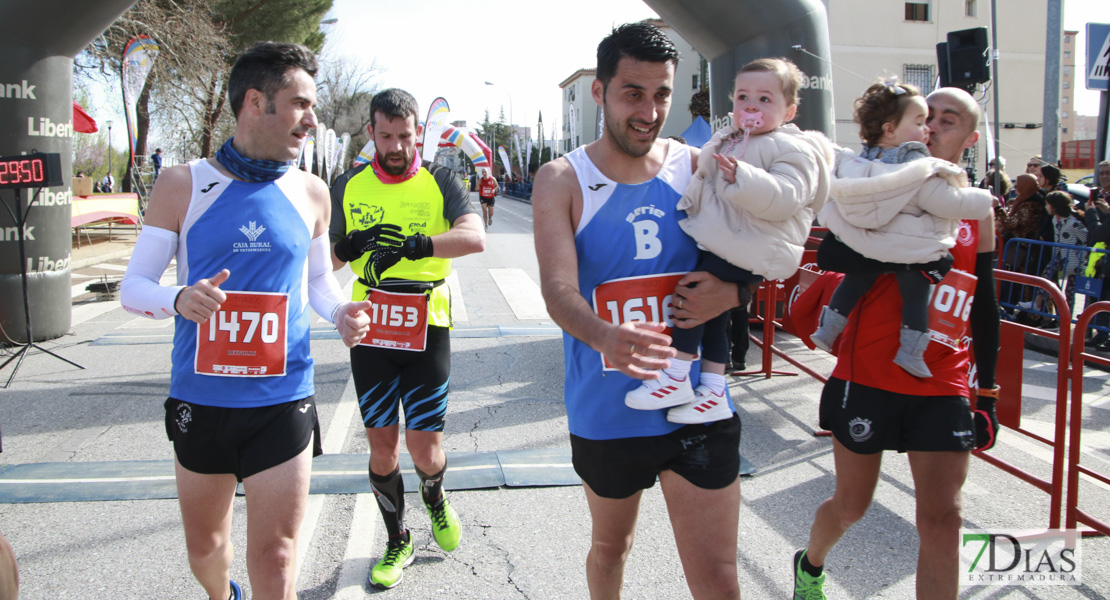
x: 950, y: 308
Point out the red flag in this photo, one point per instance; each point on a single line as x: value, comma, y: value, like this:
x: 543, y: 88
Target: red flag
x: 82, y: 122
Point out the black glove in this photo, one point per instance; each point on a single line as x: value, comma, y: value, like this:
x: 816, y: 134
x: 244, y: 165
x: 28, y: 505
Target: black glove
x: 418, y: 246
x: 381, y: 259
x: 986, y: 424
x: 359, y: 242
x: 936, y: 270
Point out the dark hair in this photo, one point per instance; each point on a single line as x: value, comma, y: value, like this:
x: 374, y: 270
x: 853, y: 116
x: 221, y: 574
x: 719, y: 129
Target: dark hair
x: 1062, y: 203
x: 880, y: 104
x: 1051, y: 174
x: 638, y: 41
x: 789, y: 75
x: 394, y: 103
x: 265, y: 67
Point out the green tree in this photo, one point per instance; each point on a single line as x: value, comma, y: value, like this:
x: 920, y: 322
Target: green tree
x: 495, y: 134
x: 198, y: 42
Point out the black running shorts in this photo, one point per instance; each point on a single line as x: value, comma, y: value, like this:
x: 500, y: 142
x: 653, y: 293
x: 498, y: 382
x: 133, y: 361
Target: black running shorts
x: 868, y: 420
x: 386, y: 379
x: 214, y: 440
x: 488, y: 201
x: 707, y: 455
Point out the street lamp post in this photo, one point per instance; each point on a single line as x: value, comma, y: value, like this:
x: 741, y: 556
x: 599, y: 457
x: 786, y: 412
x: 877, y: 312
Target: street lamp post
x: 510, y: 120
x: 109, y: 124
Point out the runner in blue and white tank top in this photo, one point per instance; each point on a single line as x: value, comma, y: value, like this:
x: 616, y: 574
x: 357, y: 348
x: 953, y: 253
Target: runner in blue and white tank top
x: 637, y: 227
x: 613, y: 269
x: 260, y: 232
x: 249, y: 234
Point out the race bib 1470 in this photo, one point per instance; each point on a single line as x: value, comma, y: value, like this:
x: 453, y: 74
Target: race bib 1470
x: 246, y: 337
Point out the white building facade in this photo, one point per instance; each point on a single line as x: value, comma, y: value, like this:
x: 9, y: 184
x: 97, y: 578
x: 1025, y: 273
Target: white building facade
x: 896, y: 37
x: 582, y: 119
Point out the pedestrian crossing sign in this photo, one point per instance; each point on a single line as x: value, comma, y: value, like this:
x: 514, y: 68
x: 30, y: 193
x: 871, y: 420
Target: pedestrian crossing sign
x: 1098, y: 56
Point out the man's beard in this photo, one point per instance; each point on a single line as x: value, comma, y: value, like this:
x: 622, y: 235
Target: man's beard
x: 624, y: 141
x: 392, y: 170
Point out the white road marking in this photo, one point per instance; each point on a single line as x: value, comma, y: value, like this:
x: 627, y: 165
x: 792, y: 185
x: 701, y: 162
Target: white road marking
x: 522, y: 294
x: 354, y: 571
x: 458, y: 306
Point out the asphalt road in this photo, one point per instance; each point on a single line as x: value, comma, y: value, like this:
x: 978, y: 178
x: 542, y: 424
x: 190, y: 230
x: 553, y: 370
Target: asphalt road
x: 506, y: 396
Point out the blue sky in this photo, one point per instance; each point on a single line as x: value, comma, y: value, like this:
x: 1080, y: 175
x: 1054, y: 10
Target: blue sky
x: 446, y: 48
x: 524, y: 52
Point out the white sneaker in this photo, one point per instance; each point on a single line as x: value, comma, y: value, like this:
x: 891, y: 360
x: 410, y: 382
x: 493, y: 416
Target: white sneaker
x: 707, y: 407
x: 664, y: 392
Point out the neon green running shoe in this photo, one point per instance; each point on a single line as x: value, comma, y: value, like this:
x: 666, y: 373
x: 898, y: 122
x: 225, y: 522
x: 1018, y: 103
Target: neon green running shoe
x: 445, y: 524
x: 388, y: 572
x: 806, y: 586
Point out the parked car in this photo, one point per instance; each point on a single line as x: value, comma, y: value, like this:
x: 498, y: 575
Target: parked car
x: 1087, y: 180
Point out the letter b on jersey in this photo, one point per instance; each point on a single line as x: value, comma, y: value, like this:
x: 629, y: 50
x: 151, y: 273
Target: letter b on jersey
x: 647, y: 239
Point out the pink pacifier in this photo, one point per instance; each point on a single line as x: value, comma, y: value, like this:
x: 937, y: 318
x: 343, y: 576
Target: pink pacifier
x: 744, y: 125
x: 750, y: 121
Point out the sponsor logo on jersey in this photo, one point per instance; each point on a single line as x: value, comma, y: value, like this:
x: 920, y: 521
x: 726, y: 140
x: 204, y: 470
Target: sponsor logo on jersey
x: 366, y: 215
x: 597, y: 186
x: 963, y: 235
x: 209, y: 187
x: 252, y: 230
x: 646, y: 231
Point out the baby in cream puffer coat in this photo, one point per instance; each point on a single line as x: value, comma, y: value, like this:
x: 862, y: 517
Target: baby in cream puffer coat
x: 750, y: 206
x: 895, y: 204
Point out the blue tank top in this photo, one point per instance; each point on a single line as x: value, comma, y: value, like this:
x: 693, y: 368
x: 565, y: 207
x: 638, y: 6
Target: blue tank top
x: 261, y: 233
x: 625, y: 231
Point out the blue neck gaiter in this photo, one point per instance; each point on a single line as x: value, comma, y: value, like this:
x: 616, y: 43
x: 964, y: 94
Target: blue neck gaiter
x: 250, y: 169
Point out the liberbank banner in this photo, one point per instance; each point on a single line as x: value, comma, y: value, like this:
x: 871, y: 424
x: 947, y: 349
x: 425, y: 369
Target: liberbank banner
x: 38, y: 41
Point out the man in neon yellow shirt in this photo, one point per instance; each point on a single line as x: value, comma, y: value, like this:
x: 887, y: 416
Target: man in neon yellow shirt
x: 398, y: 222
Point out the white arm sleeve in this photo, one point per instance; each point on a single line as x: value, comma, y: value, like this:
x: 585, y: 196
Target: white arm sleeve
x: 140, y: 292
x: 324, y: 294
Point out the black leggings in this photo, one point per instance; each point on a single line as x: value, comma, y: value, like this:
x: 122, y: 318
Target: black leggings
x: 713, y: 335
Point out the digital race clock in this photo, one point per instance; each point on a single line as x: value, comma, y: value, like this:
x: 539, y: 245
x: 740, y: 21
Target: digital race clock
x: 37, y: 170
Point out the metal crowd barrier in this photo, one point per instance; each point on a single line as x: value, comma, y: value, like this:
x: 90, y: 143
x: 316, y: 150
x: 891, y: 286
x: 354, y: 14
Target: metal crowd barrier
x: 1032, y: 257
x: 1075, y: 515
x: 770, y: 314
x: 522, y: 191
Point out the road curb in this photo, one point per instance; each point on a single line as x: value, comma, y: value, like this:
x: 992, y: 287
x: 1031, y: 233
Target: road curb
x: 99, y: 258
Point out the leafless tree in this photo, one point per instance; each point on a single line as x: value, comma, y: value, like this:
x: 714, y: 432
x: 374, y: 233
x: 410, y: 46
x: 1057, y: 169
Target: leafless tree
x: 344, y: 88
